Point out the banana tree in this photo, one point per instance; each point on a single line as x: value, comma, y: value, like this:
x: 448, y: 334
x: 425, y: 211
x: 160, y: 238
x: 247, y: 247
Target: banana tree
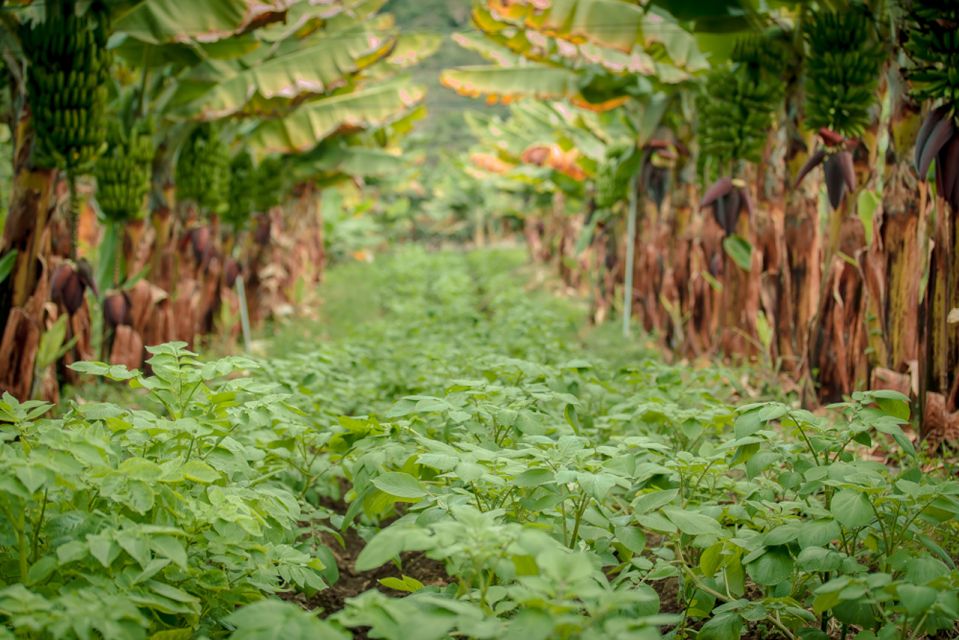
x: 595, y: 53
x: 268, y: 75
x: 273, y: 58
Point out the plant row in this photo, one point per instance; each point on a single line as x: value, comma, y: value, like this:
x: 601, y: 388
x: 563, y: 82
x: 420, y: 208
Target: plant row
x: 567, y: 489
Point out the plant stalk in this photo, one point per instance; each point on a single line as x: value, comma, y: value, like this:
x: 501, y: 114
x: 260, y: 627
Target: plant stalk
x: 630, y: 255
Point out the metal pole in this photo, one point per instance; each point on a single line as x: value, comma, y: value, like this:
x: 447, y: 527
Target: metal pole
x: 630, y: 255
x: 244, y: 315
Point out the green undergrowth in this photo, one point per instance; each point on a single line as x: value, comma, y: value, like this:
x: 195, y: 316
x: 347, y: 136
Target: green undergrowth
x: 568, y: 485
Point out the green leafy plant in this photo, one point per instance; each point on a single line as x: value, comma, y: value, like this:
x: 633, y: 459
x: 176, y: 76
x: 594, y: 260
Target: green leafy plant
x: 450, y: 418
x: 121, y: 521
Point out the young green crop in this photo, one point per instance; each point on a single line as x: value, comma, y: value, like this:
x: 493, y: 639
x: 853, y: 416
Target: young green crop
x: 567, y: 490
x: 123, y: 522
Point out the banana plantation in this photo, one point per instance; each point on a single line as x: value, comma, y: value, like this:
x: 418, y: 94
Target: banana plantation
x: 520, y: 319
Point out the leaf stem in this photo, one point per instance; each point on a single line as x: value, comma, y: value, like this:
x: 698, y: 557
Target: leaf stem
x: 580, y: 509
x: 36, y: 527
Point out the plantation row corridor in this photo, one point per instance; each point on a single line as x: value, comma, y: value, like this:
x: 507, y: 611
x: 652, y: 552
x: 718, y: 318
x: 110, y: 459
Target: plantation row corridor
x: 444, y: 453
x: 479, y: 319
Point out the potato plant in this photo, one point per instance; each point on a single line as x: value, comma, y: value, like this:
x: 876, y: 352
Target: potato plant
x: 566, y: 486
x: 118, y: 521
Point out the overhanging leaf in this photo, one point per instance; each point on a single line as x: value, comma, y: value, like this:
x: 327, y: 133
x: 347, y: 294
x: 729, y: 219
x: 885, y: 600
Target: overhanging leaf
x: 610, y: 23
x: 510, y: 83
x: 166, y: 21
x: 315, y: 66
x: 313, y: 122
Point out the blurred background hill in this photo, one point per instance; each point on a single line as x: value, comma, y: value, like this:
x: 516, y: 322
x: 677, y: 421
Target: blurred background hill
x: 444, y: 127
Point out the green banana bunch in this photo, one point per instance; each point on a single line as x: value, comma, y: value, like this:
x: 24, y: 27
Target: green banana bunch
x: 269, y: 184
x: 606, y: 193
x: 736, y: 115
x: 67, y: 85
x: 737, y: 108
x: 842, y: 71
x: 612, y: 182
x: 242, y: 189
x: 763, y: 56
x: 933, y: 46
x: 203, y: 170
x: 123, y: 171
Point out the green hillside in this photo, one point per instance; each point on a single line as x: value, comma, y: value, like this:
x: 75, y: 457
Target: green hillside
x: 444, y: 128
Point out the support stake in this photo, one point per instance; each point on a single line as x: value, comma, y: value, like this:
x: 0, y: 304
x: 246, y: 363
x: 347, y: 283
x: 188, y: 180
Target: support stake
x: 630, y: 255
x: 244, y: 315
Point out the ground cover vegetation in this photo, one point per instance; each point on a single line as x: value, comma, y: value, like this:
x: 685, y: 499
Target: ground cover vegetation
x: 449, y: 456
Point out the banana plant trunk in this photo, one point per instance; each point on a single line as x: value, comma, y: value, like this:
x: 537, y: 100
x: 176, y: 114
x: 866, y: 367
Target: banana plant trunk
x: 24, y: 292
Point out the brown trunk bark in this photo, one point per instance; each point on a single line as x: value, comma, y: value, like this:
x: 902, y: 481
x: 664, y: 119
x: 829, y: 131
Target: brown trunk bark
x: 23, y: 293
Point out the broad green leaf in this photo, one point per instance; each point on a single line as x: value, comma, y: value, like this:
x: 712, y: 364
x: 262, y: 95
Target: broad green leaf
x: 656, y: 521
x: 859, y: 612
x: 692, y: 522
x: 400, y: 485
x: 631, y: 537
x: 530, y: 624
x: 355, y: 161
x: 406, y: 583
x: 469, y: 471
x: 170, y: 547
x: 140, y: 469
x: 772, y: 567
x: 916, y: 599
x: 609, y: 23
x: 135, y: 544
x: 32, y: 477
x: 43, y: 568
x: 413, y: 48
x: 710, y: 559
x: 317, y: 65
x: 817, y: 533
x: 487, y: 48
x: 748, y: 423
x: 509, y: 83
x: 171, y: 592
x: 782, y: 534
x: 897, y: 434
x: 71, y: 551
x: 651, y: 501
x: 199, y: 471
x: 103, y: 548
x: 389, y: 543
x: 819, y: 559
x: 533, y: 478
x: 315, y: 121
x: 113, y: 372
x: 725, y: 626
x: 273, y: 619
x: 168, y: 21
x: 851, y: 508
